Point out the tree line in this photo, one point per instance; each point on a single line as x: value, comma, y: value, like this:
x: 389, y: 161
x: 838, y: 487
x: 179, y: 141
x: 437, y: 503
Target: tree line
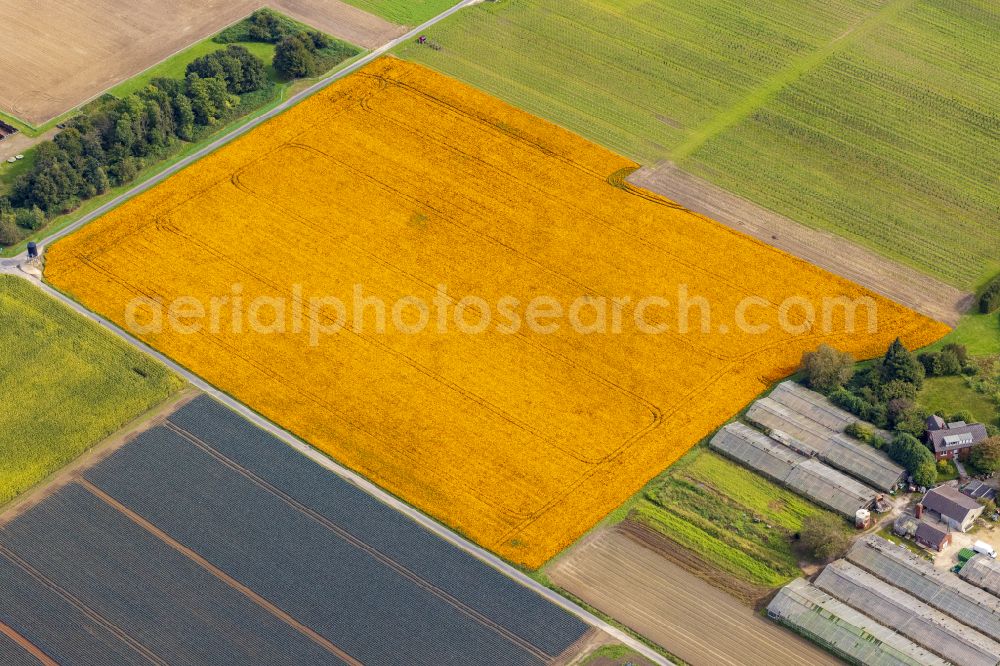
x: 113, y: 141
x: 111, y: 144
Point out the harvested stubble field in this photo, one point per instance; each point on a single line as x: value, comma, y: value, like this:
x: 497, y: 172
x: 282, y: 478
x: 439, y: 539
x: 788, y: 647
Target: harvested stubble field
x: 57, y: 54
x: 65, y: 384
x: 399, y: 179
x: 873, y: 119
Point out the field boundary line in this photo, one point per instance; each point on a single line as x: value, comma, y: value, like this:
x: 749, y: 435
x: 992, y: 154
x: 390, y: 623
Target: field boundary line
x: 27, y: 645
x: 360, y: 544
x: 361, y: 483
x: 770, y: 88
x: 78, y: 603
x: 325, y: 643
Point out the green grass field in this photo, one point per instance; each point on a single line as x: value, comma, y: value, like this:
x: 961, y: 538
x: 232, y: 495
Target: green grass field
x: 404, y: 12
x: 66, y: 383
x: 875, y: 119
x: 980, y: 333
x: 953, y: 394
x: 729, y: 515
x: 9, y: 172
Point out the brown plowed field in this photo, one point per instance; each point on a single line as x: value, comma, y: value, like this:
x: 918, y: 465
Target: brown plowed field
x: 57, y: 54
x: 688, y: 617
x: 838, y: 255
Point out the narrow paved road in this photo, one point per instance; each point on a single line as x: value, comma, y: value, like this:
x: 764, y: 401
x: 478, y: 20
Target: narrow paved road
x: 10, y: 266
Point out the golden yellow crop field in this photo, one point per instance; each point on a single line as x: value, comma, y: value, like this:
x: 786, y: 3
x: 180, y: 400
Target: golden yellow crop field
x: 404, y: 187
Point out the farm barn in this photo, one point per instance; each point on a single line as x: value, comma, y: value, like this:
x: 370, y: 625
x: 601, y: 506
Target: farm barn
x: 833, y: 624
x: 806, y: 476
x: 952, y: 508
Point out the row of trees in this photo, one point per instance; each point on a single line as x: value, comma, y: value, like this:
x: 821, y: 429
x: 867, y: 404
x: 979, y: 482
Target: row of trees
x: 108, y: 146
x: 989, y: 300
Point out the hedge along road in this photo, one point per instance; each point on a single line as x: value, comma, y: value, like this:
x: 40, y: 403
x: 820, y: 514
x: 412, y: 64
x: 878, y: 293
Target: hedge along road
x: 243, y: 129
x: 10, y: 266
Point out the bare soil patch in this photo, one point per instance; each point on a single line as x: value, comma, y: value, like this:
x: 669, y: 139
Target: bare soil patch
x: 754, y: 596
x: 341, y: 20
x: 16, y: 144
x: 838, y: 255
x: 58, y: 54
x: 656, y: 597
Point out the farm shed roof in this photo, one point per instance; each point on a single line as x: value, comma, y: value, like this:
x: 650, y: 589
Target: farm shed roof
x: 806, y: 476
x: 950, y: 502
x: 983, y: 572
x: 799, y: 398
x: 895, y: 608
x: 978, y: 489
x: 816, y: 406
x: 839, y: 627
x: 905, y: 525
x: 809, y: 437
x: 940, y: 589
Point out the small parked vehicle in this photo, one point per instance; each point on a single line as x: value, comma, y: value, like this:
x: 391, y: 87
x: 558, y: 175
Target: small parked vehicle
x: 984, y: 548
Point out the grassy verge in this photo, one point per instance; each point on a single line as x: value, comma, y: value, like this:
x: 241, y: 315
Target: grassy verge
x: 68, y: 385
x: 35, y: 130
x: 619, y: 653
x: 980, y: 333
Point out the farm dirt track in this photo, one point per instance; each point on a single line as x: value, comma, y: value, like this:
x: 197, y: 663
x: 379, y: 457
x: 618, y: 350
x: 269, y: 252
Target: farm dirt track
x: 693, y: 620
x: 57, y: 54
x: 836, y: 254
x: 396, y: 180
